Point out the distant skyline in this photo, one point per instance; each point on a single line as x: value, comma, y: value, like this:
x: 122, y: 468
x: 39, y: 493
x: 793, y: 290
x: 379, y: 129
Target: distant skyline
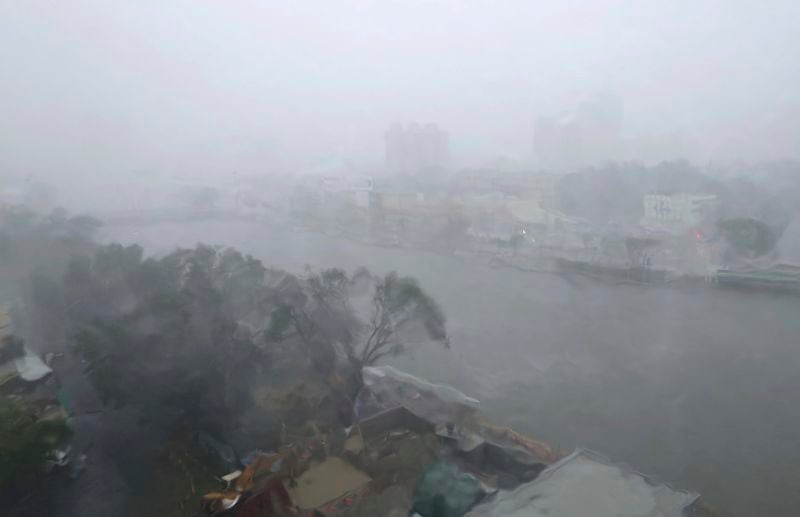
x: 202, y: 88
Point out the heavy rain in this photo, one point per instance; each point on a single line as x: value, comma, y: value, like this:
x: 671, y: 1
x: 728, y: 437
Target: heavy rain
x: 399, y: 258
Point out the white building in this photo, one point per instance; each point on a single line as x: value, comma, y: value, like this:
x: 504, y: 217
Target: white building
x: 677, y: 210
x: 355, y: 188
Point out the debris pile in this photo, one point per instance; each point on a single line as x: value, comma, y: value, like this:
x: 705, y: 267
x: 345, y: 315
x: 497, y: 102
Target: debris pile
x: 425, y: 449
x: 33, y: 422
x: 26, y: 379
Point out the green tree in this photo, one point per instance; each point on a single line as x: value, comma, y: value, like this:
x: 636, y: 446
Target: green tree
x: 25, y: 441
x: 398, y: 313
x: 161, y: 334
x: 401, y: 309
x: 748, y: 237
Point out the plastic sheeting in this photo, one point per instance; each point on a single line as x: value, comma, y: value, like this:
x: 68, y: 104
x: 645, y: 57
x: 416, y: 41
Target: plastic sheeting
x: 386, y: 387
x: 584, y: 484
x: 30, y: 367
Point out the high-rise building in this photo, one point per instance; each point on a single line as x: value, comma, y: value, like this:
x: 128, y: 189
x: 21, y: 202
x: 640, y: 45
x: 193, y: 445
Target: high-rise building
x: 415, y: 148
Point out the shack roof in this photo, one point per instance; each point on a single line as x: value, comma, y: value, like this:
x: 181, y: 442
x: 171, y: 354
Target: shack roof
x: 585, y: 484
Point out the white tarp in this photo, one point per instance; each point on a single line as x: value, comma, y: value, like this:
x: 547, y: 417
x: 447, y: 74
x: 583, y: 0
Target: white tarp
x: 374, y: 375
x: 30, y: 367
x: 387, y: 387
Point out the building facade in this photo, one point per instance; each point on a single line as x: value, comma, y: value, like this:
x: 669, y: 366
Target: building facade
x: 681, y: 209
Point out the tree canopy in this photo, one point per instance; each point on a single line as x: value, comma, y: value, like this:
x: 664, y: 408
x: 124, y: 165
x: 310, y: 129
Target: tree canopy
x: 748, y: 237
x: 25, y: 441
x: 185, y: 337
x: 160, y: 334
x: 365, y: 317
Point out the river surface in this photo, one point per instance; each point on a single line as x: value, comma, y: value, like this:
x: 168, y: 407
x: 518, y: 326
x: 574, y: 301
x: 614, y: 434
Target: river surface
x: 699, y: 388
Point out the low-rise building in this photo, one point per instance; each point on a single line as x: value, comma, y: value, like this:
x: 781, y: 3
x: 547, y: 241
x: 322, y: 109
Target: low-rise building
x: 677, y: 211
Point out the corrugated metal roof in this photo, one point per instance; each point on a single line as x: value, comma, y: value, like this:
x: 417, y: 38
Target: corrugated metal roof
x: 585, y: 484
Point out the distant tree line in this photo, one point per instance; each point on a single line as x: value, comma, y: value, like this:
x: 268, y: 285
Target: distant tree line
x: 615, y: 192
x: 756, y: 204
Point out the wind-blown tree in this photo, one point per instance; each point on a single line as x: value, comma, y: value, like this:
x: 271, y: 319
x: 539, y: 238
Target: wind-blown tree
x: 187, y: 337
x: 317, y: 308
x: 161, y: 334
x: 366, y: 317
x: 402, y: 313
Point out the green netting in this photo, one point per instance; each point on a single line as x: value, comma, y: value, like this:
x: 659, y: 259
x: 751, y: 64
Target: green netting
x: 444, y: 491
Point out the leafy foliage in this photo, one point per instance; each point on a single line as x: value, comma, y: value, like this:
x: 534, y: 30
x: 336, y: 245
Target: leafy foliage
x: 748, y: 237
x: 184, y: 337
x: 400, y: 305
x: 280, y: 322
x: 25, y: 442
x: 161, y: 334
x: 397, y: 314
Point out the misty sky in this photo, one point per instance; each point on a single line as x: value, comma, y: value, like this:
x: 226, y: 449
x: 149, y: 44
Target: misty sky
x: 208, y: 87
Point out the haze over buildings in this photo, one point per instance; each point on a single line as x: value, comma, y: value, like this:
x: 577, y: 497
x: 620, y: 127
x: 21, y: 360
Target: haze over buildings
x: 589, y: 134
x: 416, y: 148
x: 212, y: 88
x: 216, y: 217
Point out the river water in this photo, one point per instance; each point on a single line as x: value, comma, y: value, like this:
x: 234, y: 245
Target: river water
x: 697, y: 387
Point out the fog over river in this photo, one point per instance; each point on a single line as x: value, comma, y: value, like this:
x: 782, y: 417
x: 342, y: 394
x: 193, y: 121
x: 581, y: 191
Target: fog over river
x: 698, y: 387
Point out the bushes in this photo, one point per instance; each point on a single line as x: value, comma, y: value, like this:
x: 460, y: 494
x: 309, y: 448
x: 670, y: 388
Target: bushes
x: 25, y: 441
